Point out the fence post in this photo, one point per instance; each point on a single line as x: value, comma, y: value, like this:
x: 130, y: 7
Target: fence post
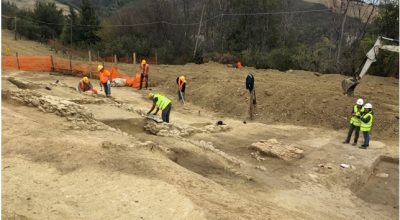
x: 90, y: 64
x: 156, y: 58
x: 70, y: 63
x: 115, y: 58
x: 52, y: 64
x: 17, y: 61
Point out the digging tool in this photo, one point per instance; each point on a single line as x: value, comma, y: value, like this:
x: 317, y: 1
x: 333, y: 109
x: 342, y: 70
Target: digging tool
x: 180, y: 93
x: 255, y: 99
x: 153, y: 117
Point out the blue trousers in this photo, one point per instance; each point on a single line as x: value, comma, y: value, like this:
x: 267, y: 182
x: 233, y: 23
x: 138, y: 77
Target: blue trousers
x: 366, y: 138
x: 107, y: 89
x: 165, y: 113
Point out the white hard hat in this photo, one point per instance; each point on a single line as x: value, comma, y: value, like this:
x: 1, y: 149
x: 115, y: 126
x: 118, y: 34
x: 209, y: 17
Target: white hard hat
x: 368, y: 105
x: 360, y: 102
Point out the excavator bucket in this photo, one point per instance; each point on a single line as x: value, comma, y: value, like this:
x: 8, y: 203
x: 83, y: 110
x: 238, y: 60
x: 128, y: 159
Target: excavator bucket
x: 349, y: 85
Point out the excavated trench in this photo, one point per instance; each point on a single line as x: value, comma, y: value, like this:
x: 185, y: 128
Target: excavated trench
x: 132, y: 126
x: 381, y: 185
x: 200, y: 163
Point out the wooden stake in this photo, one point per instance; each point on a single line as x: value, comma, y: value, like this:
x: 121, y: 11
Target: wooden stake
x: 52, y: 64
x: 70, y: 63
x: 19, y: 68
x: 156, y: 58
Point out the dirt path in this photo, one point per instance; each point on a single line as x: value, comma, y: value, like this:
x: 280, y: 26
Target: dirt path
x: 110, y: 163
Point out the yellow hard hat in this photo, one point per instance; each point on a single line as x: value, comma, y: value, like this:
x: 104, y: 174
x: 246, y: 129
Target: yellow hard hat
x: 85, y: 79
x: 150, y: 96
x: 182, y: 78
x: 144, y: 61
x: 100, y: 67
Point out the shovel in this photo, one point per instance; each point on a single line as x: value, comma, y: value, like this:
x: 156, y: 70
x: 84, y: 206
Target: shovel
x: 180, y: 93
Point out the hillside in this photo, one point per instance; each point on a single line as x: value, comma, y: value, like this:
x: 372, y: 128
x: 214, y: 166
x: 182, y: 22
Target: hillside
x: 29, y: 4
x: 66, y: 154
x: 356, y: 9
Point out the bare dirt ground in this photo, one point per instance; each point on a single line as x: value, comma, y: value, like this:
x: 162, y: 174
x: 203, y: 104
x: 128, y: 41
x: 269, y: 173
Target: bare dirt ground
x: 72, y: 156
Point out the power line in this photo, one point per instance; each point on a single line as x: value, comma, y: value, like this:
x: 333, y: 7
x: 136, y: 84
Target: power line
x: 274, y: 13
x: 181, y: 24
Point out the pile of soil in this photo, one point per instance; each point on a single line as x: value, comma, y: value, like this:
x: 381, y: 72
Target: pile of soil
x: 293, y: 97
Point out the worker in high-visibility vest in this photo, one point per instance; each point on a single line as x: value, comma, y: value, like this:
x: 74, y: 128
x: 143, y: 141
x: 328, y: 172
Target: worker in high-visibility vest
x: 367, y: 121
x: 355, y: 122
x: 144, y: 73
x: 163, y: 103
x: 105, y: 79
x: 181, y: 81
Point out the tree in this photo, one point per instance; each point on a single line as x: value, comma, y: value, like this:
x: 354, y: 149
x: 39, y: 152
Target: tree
x: 49, y: 19
x: 10, y: 10
x: 387, y: 24
x: 70, y: 35
x: 89, y: 24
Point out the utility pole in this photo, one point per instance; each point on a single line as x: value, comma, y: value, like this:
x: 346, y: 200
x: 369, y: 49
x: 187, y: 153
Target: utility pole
x: 15, y: 27
x: 341, y: 32
x: 71, y: 33
x: 198, y: 32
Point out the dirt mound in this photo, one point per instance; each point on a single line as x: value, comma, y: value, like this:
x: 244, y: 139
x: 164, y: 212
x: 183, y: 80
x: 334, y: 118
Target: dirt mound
x: 299, y: 98
x: 78, y: 114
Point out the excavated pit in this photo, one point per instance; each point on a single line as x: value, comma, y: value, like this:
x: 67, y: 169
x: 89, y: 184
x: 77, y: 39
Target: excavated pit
x: 381, y: 186
x: 131, y: 126
x: 201, y: 164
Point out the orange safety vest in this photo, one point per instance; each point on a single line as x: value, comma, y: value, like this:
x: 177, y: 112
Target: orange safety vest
x: 82, y: 86
x: 144, y: 68
x: 104, y: 76
x: 180, y: 84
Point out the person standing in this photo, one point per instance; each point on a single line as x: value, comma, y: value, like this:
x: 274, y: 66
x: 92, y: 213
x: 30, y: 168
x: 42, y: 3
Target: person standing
x: 181, y: 81
x: 355, y: 122
x: 144, y: 73
x: 105, y: 79
x: 367, y: 121
x: 163, y: 103
x: 252, y: 95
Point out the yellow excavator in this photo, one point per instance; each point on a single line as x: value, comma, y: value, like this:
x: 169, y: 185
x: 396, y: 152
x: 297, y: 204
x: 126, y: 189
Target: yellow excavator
x: 350, y: 84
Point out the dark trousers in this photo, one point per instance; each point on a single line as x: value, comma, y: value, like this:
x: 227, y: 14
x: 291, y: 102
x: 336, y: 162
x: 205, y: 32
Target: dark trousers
x: 165, y: 113
x: 251, y: 104
x: 357, y: 133
x: 366, y: 138
x: 142, y: 77
x: 107, y: 89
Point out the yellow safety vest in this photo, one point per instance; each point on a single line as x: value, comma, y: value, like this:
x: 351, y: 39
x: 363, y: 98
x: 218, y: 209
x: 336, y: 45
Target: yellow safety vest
x: 354, y: 120
x: 162, y: 101
x: 367, y: 126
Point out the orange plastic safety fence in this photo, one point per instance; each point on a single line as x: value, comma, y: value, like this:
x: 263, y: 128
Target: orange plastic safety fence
x: 73, y: 67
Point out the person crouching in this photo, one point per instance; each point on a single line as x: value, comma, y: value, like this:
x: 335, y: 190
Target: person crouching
x: 163, y: 103
x: 85, y: 86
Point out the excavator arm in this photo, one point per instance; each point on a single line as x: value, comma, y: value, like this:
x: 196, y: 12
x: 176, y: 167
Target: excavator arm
x: 350, y: 84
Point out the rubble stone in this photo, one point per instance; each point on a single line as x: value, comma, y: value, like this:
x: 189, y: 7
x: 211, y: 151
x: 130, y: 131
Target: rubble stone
x: 274, y: 148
